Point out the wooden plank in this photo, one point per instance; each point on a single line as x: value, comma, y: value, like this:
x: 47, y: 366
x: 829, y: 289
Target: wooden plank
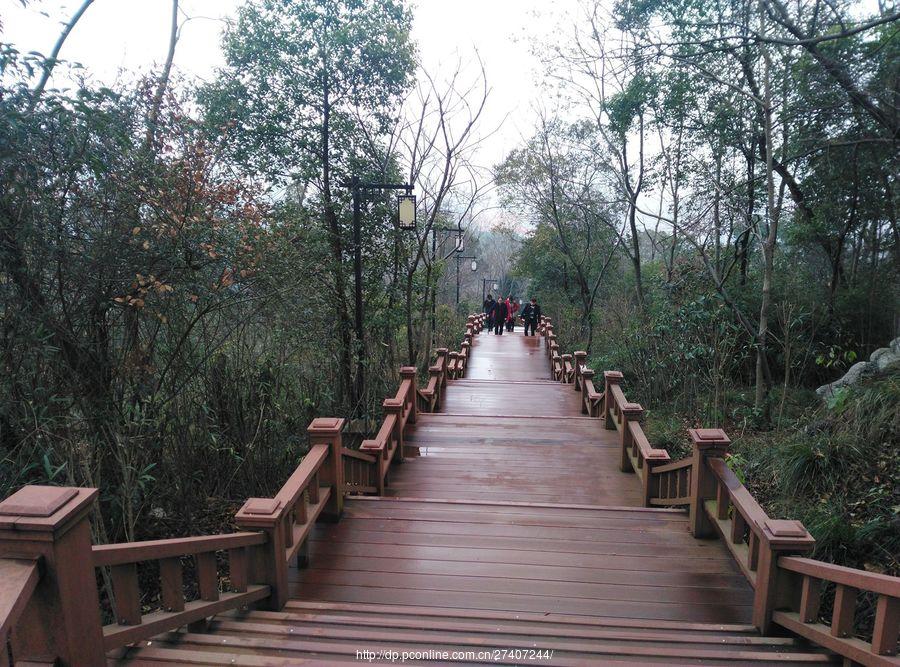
x: 136, y: 552
x: 598, y: 573
x: 115, y: 636
x: 508, y: 556
x: 126, y: 594
x: 18, y: 579
x: 819, y: 633
x: 549, y: 619
x: 207, y: 576
x: 171, y: 584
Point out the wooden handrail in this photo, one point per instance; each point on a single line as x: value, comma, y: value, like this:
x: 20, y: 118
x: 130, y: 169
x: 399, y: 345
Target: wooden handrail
x: 806, y: 576
x: 137, y: 552
x: 19, y: 579
x: 302, y: 477
x: 787, y: 586
x: 60, y: 613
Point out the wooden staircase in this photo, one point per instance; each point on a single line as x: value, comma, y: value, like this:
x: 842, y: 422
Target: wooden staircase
x: 521, y: 517
x: 307, y: 632
x: 481, y: 582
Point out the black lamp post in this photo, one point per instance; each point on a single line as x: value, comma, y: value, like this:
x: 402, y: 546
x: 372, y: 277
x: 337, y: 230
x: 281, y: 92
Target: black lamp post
x: 406, y: 216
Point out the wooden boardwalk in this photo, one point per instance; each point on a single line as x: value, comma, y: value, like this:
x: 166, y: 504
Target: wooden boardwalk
x: 507, y: 526
x: 509, y: 511
x: 510, y: 499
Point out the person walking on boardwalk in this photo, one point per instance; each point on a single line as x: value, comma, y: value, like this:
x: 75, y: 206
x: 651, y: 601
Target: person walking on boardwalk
x: 489, y: 311
x: 513, y: 307
x: 531, y: 314
x: 500, y: 313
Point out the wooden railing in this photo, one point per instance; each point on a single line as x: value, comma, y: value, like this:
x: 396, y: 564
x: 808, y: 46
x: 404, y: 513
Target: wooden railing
x: 18, y: 580
x: 431, y: 395
x: 49, y: 600
x: 800, y: 615
x: 122, y: 562
x: 788, y: 587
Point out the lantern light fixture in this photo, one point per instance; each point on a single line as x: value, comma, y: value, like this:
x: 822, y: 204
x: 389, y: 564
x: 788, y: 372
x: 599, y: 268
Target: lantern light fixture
x: 406, y: 211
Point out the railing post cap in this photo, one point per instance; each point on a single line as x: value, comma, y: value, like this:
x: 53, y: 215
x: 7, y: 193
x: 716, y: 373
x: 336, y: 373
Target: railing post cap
x: 392, y: 404
x: 567, y: 356
x: 45, y: 508
x: 587, y: 373
x: 630, y: 409
x: 580, y: 354
x: 466, y: 343
x: 454, y: 353
x: 441, y: 350
x: 407, y: 371
x: 370, y: 445
x: 613, y: 377
x: 260, y: 506
x: 325, y: 425
x: 709, y: 437
x: 787, y: 534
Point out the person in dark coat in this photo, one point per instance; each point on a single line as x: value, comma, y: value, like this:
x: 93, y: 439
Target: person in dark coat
x: 489, y: 311
x: 531, y: 313
x: 500, y: 313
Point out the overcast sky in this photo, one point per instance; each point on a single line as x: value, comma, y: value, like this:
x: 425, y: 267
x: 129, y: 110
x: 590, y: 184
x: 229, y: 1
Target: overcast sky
x: 131, y: 35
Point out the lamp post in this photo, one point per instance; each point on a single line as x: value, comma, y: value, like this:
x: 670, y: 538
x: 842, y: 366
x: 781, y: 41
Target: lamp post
x: 406, y: 214
x: 474, y: 266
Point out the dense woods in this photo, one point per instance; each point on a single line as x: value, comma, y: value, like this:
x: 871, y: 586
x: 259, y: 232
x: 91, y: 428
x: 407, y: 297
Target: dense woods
x: 714, y: 207
x: 708, y: 202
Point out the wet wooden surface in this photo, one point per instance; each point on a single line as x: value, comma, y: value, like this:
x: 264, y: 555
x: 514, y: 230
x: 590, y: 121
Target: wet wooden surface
x: 472, y: 523
x: 509, y: 527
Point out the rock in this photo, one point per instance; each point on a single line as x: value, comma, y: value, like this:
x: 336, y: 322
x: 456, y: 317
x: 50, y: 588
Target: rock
x: 881, y: 360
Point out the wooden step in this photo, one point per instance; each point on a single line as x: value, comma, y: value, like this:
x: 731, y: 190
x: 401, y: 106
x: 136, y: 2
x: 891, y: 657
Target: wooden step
x: 295, y: 645
x: 312, y: 633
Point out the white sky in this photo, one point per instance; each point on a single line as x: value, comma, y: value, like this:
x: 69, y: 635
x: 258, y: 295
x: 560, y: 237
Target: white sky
x: 131, y: 35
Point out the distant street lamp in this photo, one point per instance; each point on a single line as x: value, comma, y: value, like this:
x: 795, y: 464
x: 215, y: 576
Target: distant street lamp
x: 494, y: 286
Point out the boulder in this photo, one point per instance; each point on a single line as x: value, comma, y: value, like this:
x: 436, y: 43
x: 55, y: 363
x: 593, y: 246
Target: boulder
x: 881, y: 360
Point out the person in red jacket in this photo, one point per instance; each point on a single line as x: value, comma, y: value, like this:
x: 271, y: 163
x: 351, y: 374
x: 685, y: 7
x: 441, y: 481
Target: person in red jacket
x: 512, y: 309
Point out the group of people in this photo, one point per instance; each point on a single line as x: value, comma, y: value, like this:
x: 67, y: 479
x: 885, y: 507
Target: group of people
x: 502, y: 314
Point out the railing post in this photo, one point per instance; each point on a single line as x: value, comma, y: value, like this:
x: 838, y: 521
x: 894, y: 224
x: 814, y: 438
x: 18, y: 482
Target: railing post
x: 435, y: 371
x: 327, y: 431
x: 61, y: 623
x: 466, y: 353
x: 409, y: 373
x: 580, y: 361
x: 442, y: 353
x: 271, y: 566
x: 631, y: 412
x: 586, y: 376
x: 707, y: 443
x: 566, y: 358
x: 394, y: 406
x: 454, y: 361
x: 610, y: 378
x: 778, y: 537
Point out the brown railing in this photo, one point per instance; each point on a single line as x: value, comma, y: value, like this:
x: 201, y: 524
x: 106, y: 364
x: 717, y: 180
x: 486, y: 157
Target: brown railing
x: 122, y: 560
x: 18, y: 580
x: 366, y: 470
x: 49, y: 600
x: 788, y: 588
